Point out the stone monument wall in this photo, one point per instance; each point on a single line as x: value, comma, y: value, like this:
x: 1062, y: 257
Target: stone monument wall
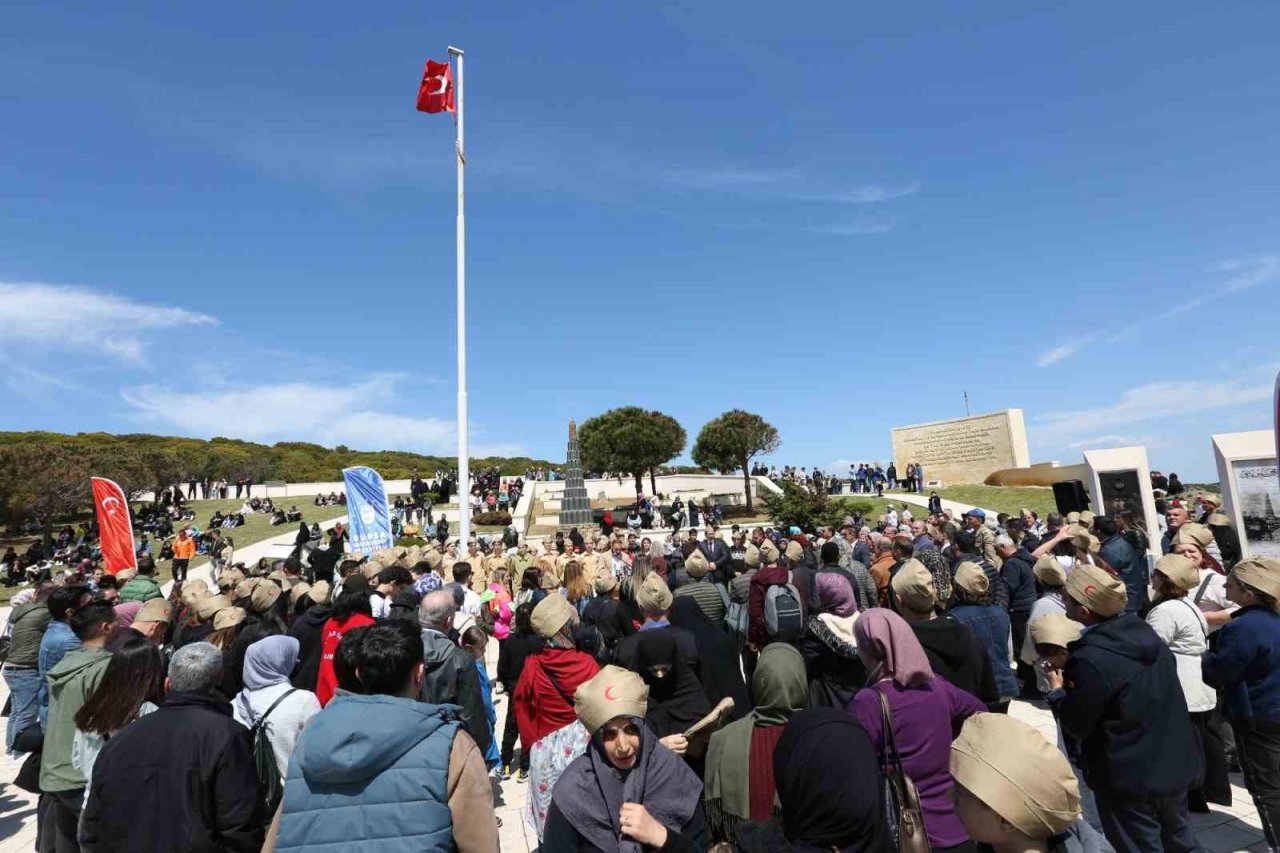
x: 963, y: 450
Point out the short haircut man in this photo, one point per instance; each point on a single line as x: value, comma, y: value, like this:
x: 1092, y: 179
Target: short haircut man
x: 195, y: 668
x: 389, y: 659
x: 437, y: 610
x: 65, y: 599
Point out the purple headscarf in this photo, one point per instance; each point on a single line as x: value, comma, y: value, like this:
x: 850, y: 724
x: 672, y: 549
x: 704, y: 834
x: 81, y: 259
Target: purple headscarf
x: 835, y: 594
x: 888, y: 638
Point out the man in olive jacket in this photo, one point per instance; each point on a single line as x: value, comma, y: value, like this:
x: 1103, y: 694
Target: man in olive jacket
x: 71, y: 682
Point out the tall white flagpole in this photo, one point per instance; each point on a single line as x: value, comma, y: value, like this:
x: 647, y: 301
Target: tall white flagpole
x: 464, y: 466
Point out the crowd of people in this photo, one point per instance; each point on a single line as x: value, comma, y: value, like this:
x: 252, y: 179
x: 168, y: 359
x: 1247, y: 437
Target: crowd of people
x: 862, y: 478
x: 755, y: 689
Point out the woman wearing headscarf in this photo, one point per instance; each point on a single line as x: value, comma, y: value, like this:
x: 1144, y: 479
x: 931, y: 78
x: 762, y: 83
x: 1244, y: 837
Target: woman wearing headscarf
x: 739, y: 771
x: 829, y: 786
x: 924, y: 711
x: 676, y: 698
x: 834, y: 670
x: 718, y: 659
x: 628, y: 792
x: 268, y: 694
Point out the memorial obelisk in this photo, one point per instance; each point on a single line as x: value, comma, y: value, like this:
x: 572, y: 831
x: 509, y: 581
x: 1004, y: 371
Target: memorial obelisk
x: 575, y: 506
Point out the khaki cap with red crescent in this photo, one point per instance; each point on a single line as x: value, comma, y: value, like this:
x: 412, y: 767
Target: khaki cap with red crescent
x: 612, y: 692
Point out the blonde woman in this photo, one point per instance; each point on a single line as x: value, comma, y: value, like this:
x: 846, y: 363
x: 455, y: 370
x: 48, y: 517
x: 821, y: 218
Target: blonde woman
x: 576, y: 587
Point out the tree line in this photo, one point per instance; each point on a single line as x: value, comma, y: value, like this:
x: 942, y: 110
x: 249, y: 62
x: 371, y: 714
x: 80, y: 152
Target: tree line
x: 45, y: 475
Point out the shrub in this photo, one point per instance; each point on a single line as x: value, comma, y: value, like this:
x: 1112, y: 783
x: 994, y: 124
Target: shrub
x: 410, y: 541
x: 801, y: 508
x: 727, y: 512
x: 492, y: 519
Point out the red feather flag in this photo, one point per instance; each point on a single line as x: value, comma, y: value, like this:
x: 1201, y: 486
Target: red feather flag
x: 435, y: 92
x: 114, y: 525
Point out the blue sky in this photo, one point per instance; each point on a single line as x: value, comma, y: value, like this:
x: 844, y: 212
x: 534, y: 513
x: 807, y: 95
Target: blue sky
x: 230, y: 220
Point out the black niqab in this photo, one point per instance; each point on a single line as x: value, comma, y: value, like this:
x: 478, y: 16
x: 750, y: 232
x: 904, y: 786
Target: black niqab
x: 676, y: 700
x: 719, y: 670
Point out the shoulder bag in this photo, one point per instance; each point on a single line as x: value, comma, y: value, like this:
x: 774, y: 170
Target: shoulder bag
x: 901, y: 800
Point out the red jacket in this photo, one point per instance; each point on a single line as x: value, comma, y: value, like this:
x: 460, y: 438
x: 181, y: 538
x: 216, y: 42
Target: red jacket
x: 760, y: 582
x: 541, y: 708
x: 330, y: 636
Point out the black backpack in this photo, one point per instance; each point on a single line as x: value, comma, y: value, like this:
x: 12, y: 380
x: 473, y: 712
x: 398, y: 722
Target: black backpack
x: 270, y: 786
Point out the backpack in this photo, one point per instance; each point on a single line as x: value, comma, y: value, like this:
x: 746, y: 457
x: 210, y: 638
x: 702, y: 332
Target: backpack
x: 270, y: 785
x: 735, y: 621
x: 783, y: 615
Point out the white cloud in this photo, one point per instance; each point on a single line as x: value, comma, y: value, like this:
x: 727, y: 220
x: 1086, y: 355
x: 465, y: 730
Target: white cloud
x: 853, y: 229
x: 354, y: 415
x: 1115, y: 441
x: 54, y: 316
x: 730, y: 178
x: 1250, y: 272
x: 1063, y: 351
x: 1245, y: 273
x: 872, y: 193
x: 786, y: 184
x: 1153, y: 401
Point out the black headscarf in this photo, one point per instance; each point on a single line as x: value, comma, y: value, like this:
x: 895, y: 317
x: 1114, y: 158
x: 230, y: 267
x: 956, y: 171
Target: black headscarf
x: 591, y: 791
x: 829, y: 783
x: 676, y: 700
x: 719, y: 669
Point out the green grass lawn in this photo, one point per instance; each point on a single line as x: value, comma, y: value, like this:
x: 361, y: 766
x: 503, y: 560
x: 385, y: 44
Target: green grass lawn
x: 1010, y: 499
x: 256, y: 528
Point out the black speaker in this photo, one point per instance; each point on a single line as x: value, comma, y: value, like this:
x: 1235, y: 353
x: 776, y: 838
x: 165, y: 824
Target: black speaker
x: 1070, y: 496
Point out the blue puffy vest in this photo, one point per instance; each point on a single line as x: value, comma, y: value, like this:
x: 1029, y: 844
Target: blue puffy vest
x: 370, y: 773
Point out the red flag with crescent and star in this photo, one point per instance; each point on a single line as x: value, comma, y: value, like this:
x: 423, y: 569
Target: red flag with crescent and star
x: 114, y: 525
x: 435, y: 92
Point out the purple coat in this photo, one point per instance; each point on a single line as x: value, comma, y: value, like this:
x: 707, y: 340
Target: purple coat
x: 925, y: 721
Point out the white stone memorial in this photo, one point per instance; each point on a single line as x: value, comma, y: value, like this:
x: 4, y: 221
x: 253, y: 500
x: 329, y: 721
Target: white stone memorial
x: 963, y: 450
x: 1250, y: 489
x: 1119, y: 480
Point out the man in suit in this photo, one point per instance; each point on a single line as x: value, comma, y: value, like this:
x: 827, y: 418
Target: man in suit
x: 717, y: 554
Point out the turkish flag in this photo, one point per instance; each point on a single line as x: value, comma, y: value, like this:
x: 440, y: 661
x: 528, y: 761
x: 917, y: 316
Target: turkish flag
x: 114, y: 525
x: 435, y: 92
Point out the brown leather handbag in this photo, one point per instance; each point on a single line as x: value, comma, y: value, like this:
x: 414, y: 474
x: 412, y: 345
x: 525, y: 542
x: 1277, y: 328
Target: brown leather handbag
x: 901, y: 800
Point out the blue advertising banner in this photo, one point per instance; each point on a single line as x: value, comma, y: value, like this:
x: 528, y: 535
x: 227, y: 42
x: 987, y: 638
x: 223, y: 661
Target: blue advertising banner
x: 368, y: 516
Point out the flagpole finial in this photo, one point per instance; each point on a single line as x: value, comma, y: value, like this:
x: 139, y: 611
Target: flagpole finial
x: 455, y: 51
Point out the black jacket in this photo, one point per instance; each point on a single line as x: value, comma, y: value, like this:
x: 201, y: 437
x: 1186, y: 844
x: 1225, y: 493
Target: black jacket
x: 1020, y: 578
x: 308, y: 630
x: 1124, y: 706
x: 511, y: 656
x: 956, y: 654
x: 717, y: 554
x: 832, y: 665
x: 180, y: 778
x: 606, y: 614
x: 559, y: 836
